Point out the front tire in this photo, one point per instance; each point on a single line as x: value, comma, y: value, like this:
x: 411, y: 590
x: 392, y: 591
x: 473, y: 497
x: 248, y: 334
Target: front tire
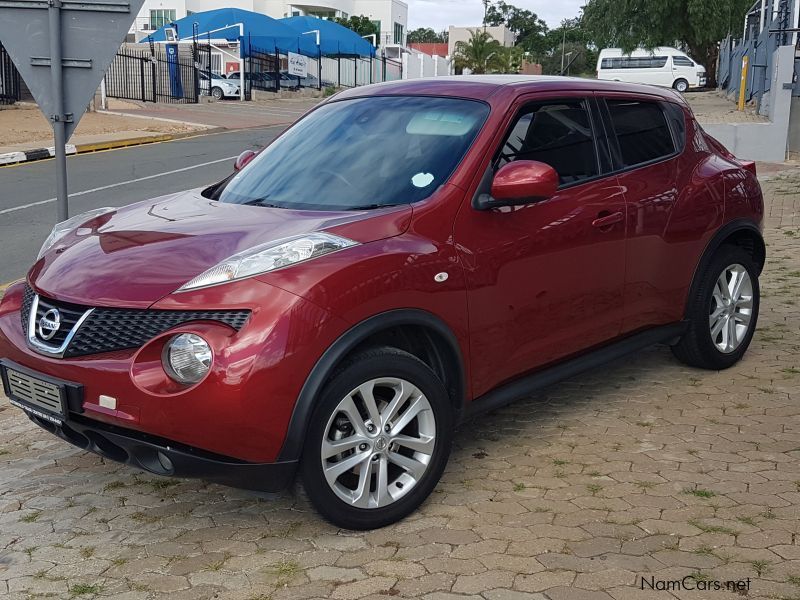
x: 681, y: 85
x: 378, y: 440
x: 217, y: 93
x: 723, y: 312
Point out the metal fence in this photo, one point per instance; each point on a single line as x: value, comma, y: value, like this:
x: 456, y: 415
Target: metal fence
x: 267, y: 70
x: 9, y: 79
x: 157, y: 76
x: 759, y: 45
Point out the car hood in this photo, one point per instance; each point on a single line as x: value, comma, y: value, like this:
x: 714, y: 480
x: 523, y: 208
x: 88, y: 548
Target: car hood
x: 138, y: 254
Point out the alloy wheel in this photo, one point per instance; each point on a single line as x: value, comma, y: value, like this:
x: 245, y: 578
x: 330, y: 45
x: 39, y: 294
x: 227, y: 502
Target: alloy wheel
x: 731, y: 308
x: 378, y: 442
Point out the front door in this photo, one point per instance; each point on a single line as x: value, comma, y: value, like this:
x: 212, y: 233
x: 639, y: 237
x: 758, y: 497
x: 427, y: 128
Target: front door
x: 545, y: 280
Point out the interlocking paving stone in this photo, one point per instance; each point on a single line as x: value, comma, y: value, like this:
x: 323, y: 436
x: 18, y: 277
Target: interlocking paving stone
x: 642, y: 468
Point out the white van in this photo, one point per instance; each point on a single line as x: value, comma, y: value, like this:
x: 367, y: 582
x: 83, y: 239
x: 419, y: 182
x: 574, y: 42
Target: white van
x: 664, y: 66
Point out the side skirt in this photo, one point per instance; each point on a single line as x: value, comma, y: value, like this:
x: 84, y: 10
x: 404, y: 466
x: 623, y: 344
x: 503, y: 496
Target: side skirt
x: 519, y: 388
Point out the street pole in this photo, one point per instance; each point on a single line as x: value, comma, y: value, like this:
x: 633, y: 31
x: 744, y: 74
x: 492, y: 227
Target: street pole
x: 59, y: 119
x: 563, y: 44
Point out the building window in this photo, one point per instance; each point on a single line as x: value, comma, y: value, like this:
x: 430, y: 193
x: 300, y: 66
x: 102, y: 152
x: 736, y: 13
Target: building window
x: 161, y: 16
x: 398, y: 33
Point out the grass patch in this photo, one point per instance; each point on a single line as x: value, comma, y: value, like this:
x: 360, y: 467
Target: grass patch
x: 3, y: 451
x: 761, y: 567
x: 87, y: 552
x: 747, y: 521
x: 83, y: 589
x: 594, y: 488
x: 705, y: 528
x: 141, y: 517
x: 741, y: 406
x: 518, y: 487
x: 594, y: 474
x: 794, y: 580
x: 645, y: 485
x: 286, y: 569
x: 766, y: 390
x: 114, y: 485
x: 560, y: 462
x: 768, y: 514
x: 699, y: 492
x: 705, y: 551
x: 32, y: 517
x: 644, y: 423
x: 791, y: 371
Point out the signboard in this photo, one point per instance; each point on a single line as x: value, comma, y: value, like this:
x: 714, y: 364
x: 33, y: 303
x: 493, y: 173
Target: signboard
x: 298, y: 65
x: 91, y: 33
x: 62, y: 49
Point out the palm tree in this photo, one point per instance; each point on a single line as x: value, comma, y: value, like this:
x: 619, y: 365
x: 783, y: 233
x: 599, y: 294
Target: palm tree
x: 507, y: 60
x: 479, y: 54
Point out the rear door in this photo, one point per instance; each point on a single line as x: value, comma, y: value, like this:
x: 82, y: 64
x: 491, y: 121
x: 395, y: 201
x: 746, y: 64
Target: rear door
x: 545, y: 280
x: 645, y: 147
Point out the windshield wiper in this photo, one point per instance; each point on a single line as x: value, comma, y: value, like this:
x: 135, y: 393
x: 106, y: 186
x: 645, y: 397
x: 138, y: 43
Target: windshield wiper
x: 373, y: 206
x: 261, y: 202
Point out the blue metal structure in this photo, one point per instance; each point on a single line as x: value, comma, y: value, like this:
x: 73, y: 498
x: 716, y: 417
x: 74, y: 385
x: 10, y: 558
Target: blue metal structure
x: 768, y: 25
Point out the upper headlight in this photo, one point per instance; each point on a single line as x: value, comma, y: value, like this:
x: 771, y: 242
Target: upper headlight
x: 268, y: 257
x: 61, y: 229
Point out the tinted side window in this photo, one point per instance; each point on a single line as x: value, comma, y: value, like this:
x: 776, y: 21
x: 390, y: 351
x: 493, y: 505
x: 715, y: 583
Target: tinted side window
x: 559, y: 134
x: 677, y: 119
x: 641, y: 130
x: 682, y: 61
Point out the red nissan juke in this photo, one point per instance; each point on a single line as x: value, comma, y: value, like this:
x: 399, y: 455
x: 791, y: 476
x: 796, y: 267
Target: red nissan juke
x: 403, y: 257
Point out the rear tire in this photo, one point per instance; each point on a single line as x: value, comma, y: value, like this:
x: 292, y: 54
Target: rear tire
x: 681, y: 85
x: 723, y: 312
x: 386, y: 418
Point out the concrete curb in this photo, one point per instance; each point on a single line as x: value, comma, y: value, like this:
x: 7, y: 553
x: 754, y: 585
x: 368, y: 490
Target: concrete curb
x: 23, y: 156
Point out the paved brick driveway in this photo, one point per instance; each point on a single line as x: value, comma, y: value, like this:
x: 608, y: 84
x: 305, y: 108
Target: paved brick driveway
x: 643, y: 468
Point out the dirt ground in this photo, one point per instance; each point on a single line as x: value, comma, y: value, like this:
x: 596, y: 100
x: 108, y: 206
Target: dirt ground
x: 25, y: 123
x: 712, y: 107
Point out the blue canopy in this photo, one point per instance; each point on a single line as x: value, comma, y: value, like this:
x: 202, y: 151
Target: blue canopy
x: 263, y: 32
x: 334, y: 38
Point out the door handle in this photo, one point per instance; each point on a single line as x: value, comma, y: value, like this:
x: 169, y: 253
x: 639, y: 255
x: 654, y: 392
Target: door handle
x: 605, y: 219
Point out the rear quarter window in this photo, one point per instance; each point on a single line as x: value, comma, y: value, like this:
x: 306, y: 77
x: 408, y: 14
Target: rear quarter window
x: 641, y: 130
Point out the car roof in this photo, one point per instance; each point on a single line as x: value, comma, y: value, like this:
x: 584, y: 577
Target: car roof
x: 483, y: 87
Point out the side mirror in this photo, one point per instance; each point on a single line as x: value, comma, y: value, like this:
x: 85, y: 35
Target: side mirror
x: 242, y: 160
x: 521, y: 182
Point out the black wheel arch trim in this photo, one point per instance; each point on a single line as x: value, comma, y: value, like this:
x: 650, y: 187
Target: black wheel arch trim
x: 306, y: 401
x: 724, y: 232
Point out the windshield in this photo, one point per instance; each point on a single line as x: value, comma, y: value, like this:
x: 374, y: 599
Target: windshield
x: 362, y: 153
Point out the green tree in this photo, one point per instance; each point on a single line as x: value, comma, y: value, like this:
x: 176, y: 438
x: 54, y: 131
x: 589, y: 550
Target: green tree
x: 480, y: 54
x: 361, y: 25
x: 529, y: 30
x: 426, y: 35
x: 698, y: 25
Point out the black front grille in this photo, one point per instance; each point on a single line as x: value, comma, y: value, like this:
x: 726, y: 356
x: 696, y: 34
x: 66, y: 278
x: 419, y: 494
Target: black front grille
x: 113, y: 329
x: 109, y: 329
x: 27, y: 302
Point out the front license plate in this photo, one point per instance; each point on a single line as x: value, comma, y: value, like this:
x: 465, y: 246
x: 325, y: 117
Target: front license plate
x: 43, y: 398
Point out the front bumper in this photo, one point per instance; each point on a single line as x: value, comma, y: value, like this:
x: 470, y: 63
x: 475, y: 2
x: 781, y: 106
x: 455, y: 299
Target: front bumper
x: 164, y: 457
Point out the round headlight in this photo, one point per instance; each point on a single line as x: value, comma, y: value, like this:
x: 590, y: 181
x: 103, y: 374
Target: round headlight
x: 187, y: 358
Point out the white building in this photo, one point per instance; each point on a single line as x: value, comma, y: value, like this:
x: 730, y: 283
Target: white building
x: 391, y: 16
x: 462, y: 34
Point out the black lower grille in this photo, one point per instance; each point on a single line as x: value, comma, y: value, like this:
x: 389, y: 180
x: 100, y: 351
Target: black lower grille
x: 113, y: 329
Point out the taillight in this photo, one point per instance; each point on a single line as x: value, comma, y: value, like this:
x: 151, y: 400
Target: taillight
x: 750, y: 165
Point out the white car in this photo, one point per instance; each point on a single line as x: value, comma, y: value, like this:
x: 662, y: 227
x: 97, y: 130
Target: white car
x: 217, y: 86
x: 664, y: 66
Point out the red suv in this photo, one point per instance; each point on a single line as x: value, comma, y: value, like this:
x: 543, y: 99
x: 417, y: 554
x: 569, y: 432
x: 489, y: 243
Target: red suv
x: 405, y: 256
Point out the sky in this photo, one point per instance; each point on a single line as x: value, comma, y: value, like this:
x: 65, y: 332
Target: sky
x: 439, y: 14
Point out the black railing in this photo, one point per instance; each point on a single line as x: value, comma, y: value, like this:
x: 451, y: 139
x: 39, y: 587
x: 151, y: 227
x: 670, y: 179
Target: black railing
x: 153, y: 77
x: 9, y: 79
